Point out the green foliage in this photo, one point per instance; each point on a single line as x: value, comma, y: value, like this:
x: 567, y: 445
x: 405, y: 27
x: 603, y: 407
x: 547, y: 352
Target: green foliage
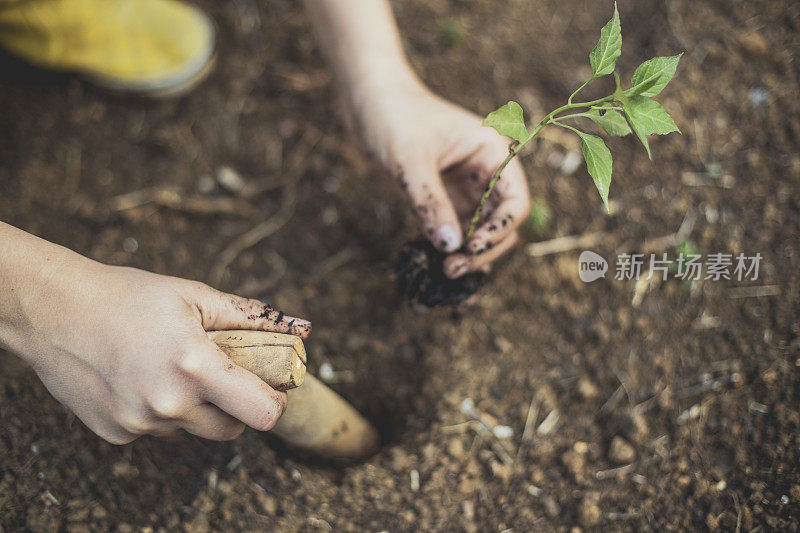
x: 647, y: 117
x: 637, y: 128
x: 451, y: 32
x: 618, y: 114
x: 608, y: 49
x: 598, y: 163
x: 653, y: 75
x: 714, y: 170
x: 653, y: 119
x: 686, y: 248
x: 539, y: 218
x: 508, y: 121
x: 612, y: 122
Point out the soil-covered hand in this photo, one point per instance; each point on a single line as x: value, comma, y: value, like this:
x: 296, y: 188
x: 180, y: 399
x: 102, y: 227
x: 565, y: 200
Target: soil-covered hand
x: 127, y: 351
x: 443, y: 158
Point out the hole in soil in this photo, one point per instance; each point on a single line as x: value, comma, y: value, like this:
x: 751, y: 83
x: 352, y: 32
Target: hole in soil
x: 420, y: 278
x: 389, y: 390
x: 390, y: 377
x: 397, y: 380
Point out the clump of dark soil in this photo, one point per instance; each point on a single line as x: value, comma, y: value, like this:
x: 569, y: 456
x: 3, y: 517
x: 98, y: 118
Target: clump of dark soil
x: 421, y: 279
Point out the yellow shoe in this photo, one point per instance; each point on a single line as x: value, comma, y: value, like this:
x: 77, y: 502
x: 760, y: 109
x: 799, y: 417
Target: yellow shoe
x: 146, y: 47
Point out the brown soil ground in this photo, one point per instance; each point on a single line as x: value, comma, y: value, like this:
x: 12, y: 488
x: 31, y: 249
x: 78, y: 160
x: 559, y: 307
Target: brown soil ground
x: 631, y: 385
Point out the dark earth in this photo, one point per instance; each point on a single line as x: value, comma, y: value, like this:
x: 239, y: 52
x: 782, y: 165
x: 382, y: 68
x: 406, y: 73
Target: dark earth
x: 664, y: 407
x: 420, y: 277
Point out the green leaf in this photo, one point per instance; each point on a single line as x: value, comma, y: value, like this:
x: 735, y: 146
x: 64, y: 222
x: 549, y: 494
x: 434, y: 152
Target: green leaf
x: 598, y: 163
x: 650, y: 116
x: 647, y: 117
x: 611, y: 121
x: 652, y: 76
x: 637, y: 128
x: 608, y: 49
x: 508, y: 121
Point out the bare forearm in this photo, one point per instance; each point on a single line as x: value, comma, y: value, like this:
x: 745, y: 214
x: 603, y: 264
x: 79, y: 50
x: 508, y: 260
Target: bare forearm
x: 362, y: 44
x: 416, y: 135
x: 126, y: 349
x: 28, y: 266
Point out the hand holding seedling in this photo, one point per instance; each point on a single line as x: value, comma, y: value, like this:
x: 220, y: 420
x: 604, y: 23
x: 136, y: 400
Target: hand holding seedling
x: 126, y: 349
x: 437, y: 151
x: 447, y: 164
x: 449, y: 167
x: 618, y: 114
x: 444, y: 159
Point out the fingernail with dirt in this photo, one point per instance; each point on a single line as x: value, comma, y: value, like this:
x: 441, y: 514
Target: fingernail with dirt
x: 456, y: 269
x: 447, y: 239
x: 298, y: 326
x: 476, y: 246
x: 288, y: 324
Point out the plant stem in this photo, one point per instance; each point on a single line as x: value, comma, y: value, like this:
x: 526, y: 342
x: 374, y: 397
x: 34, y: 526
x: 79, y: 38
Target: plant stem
x: 512, y: 153
x: 574, y: 115
x: 476, y: 217
x: 565, y: 126
x: 569, y: 100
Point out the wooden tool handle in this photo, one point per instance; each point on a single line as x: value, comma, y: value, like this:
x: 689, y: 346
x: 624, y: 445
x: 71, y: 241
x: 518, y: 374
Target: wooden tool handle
x: 320, y: 421
x: 316, y: 419
x: 278, y: 359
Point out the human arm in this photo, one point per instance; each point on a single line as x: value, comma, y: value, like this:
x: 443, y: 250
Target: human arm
x: 126, y: 349
x: 438, y: 152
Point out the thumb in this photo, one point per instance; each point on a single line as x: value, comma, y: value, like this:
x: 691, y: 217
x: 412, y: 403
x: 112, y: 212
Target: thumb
x: 433, y: 206
x: 219, y: 310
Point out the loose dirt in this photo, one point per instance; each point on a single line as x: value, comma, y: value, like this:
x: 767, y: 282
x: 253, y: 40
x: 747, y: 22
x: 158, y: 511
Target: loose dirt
x: 681, y: 413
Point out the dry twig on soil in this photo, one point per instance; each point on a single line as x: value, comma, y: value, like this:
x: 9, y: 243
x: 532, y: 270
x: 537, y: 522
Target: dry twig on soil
x: 173, y: 198
x: 255, y: 235
x: 754, y: 292
x: 611, y: 472
x: 565, y: 244
x: 263, y: 230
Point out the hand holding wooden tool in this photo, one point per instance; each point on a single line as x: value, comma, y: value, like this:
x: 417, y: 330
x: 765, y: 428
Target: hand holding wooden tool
x: 316, y: 419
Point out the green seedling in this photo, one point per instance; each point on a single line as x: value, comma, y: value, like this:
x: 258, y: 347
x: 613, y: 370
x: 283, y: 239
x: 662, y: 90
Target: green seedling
x: 624, y: 111
x: 685, y: 249
x: 451, y: 32
x: 538, y: 219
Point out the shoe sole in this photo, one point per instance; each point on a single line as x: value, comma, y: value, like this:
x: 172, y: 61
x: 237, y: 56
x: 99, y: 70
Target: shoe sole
x: 173, y: 91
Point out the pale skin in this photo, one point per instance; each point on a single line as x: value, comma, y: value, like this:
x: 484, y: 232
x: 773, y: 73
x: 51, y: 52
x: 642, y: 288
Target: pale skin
x: 439, y: 153
x: 126, y: 350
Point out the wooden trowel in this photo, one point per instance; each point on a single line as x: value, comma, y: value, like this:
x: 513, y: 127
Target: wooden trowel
x: 316, y: 420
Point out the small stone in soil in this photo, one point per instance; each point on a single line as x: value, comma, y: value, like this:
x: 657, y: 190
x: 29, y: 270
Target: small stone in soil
x: 421, y: 279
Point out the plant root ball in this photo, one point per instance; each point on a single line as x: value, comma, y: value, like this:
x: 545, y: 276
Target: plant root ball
x: 421, y: 279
